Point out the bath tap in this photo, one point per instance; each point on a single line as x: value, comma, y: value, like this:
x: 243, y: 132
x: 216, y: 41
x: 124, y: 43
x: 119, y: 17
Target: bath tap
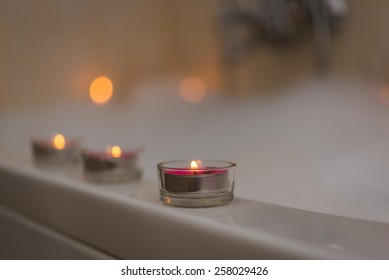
x: 245, y: 24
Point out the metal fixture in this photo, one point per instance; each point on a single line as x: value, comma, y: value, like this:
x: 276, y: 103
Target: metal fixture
x: 244, y: 24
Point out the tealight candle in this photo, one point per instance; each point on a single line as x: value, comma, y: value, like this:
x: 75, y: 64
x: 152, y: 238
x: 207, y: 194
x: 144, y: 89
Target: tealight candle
x: 56, y: 150
x: 111, y: 166
x: 196, y: 183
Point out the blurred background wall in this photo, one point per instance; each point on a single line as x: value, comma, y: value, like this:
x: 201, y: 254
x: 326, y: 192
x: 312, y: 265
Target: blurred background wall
x: 51, y: 50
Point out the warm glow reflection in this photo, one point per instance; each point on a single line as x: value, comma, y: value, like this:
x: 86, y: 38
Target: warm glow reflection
x: 192, y: 89
x: 383, y: 95
x: 59, y: 141
x: 193, y: 165
x: 101, y: 90
x: 116, y: 152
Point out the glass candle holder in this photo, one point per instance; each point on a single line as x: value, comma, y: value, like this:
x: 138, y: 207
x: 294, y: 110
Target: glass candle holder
x: 55, y: 151
x: 112, y: 165
x: 196, y: 183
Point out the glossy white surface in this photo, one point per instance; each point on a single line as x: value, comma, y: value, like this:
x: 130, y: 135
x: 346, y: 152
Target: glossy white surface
x: 320, y: 149
x: 23, y: 238
x: 128, y: 221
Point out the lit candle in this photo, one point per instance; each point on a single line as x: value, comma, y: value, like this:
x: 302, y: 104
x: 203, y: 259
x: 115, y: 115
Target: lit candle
x: 189, y: 184
x: 112, y: 165
x: 56, y: 150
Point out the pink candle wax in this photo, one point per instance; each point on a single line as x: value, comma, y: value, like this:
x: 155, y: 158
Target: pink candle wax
x: 191, y: 172
x: 195, y: 180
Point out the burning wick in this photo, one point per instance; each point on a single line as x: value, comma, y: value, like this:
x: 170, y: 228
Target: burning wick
x: 59, y: 141
x: 114, y: 151
x: 193, y: 165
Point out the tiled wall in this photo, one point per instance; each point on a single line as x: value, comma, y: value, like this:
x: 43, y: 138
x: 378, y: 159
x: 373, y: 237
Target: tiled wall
x: 51, y: 50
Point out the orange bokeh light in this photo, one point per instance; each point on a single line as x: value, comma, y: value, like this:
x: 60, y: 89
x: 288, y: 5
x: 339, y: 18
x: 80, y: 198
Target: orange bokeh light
x: 192, y: 89
x: 101, y: 90
x: 59, y: 141
x: 383, y: 95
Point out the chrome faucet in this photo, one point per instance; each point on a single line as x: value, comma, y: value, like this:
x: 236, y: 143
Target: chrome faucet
x: 244, y: 24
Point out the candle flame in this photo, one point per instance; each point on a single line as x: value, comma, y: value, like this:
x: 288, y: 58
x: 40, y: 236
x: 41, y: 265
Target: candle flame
x: 101, y: 90
x: 59, y: 141
x: 116, y: 152
x: 193, y: 165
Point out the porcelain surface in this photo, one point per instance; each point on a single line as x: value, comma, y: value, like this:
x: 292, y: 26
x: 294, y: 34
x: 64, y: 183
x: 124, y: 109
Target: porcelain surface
x: 311, y: 179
